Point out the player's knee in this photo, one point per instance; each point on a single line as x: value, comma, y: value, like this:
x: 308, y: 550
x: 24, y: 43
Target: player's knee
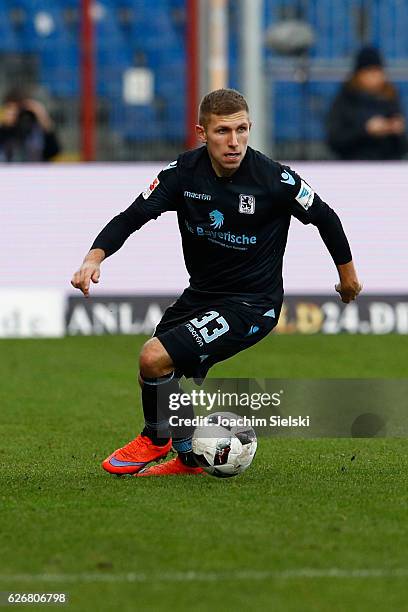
x: 154, y: 360
x: 149, y: 361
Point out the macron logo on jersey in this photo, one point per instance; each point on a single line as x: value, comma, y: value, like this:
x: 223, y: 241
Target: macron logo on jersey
x: 305, y: 196
x: 197, y: 196
x: 171, y: 165
x: 287, y: 178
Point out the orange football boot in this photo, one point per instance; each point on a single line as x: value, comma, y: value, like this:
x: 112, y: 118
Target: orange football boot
x: 134, y: 456
x: 174, y: 467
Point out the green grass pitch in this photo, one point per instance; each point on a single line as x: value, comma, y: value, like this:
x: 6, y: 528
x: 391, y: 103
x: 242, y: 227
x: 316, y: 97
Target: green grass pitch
x: 304, y: 529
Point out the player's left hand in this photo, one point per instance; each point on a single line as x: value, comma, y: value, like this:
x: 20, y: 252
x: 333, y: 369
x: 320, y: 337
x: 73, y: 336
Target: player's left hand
x: 348, y: 291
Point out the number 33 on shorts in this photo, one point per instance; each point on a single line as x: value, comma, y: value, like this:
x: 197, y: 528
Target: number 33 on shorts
x: 201, y: 324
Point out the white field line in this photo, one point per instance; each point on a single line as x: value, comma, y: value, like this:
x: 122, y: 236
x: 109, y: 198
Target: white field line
x: 193, y: 576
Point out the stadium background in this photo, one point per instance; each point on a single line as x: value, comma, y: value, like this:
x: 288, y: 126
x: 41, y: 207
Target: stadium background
x: 122, y: 80
x: 144, y: 58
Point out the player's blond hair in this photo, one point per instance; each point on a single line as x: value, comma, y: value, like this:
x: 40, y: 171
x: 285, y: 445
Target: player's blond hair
x: 221, y: 102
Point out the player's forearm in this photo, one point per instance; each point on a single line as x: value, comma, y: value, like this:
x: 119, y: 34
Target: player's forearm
x: 113, y: 235
x: 347, y: 273
x: 334, y: 237
x: 349, y: 286
x: 95, y: 256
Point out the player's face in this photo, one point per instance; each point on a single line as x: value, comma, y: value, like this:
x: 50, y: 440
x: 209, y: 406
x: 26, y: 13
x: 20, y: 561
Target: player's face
x: 227, y: 140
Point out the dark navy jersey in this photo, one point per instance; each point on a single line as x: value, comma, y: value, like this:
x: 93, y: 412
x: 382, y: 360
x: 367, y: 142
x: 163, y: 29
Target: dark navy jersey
x: 233, y: 229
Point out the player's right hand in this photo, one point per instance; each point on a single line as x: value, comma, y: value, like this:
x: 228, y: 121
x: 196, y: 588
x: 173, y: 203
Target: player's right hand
x: 82, y: 278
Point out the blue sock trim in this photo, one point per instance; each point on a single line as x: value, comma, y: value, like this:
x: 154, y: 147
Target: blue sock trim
x: 183, y: 446
x: 155, y: 382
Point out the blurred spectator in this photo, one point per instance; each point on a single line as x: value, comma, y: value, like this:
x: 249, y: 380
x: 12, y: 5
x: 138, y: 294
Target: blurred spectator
x: 26, y: 130
x: 365, y: 120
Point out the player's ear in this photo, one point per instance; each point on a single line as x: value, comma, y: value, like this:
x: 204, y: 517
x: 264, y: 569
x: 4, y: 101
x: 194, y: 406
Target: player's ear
x: 200, y: 133
x: 250, y: 125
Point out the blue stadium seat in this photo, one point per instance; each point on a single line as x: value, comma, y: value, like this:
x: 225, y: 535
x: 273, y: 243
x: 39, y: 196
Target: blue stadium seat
x: 337, y: 39
x: 389, y: 28
x: 152, y: 34
x: 8, y: 38
x: 234, y: 44
x: 297, y: 117
x: 149, y: 24
x: 135, y: 123
x: 57, y: 48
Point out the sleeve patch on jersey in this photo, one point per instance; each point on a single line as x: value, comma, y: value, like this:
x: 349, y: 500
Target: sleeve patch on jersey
x: 305, y: 196
x: 151, y: 188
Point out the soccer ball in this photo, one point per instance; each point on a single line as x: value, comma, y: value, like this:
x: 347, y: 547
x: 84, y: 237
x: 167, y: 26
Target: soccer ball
x: 224, y: 448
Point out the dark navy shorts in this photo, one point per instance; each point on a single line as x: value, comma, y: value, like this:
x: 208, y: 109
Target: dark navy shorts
x: 198, y: 331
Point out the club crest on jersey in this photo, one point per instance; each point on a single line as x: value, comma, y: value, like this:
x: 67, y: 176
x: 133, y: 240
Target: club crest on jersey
x: 151, y: 188
x: 246, y: 204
